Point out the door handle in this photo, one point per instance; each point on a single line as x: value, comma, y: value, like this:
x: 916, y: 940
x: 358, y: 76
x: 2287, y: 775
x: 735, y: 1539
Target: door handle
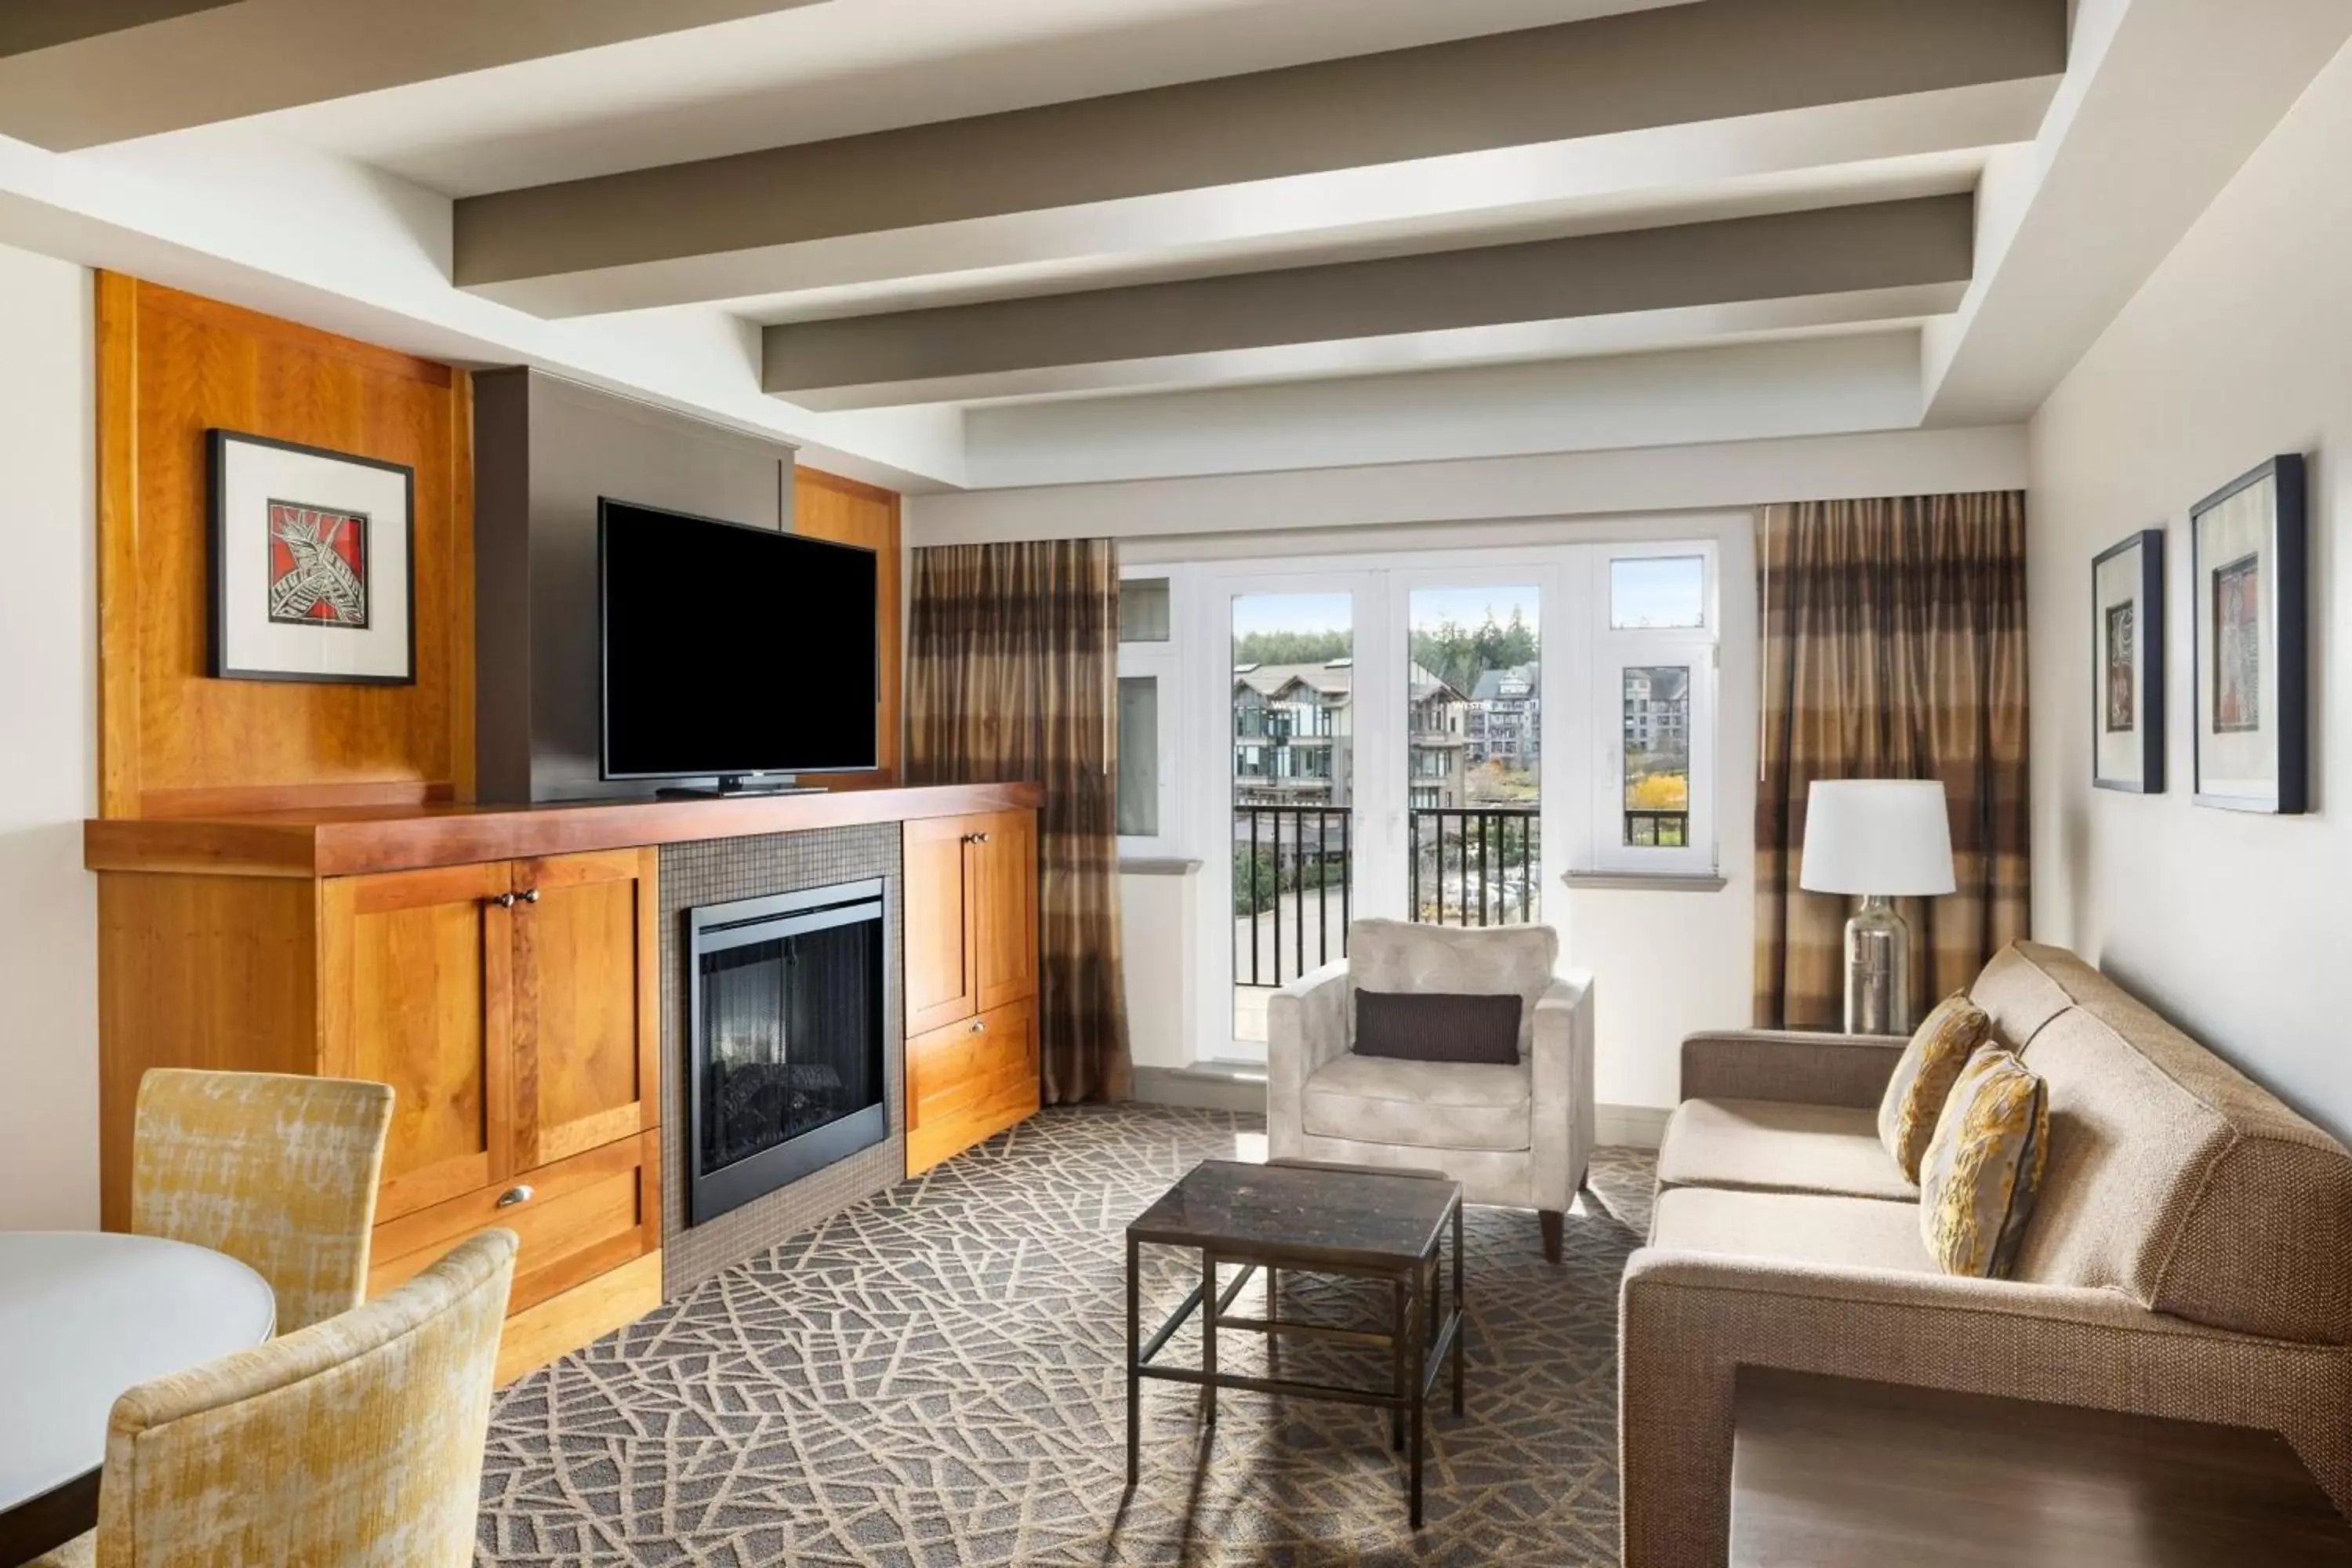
x: 979, y: 1026
x: 530, y: 896
x: 504, y: 901
x: 513, y: 1195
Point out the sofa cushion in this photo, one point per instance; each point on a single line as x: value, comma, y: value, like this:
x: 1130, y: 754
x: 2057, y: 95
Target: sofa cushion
x: 1983, y: 1168
x: 1793, y: 1228
x: 1421, y: 1105
x: 2172, y: 1177
x: 1770, y: 1145
x: 1405, y: 955
x: 1924, y: 1075
x: 1437, y: 1026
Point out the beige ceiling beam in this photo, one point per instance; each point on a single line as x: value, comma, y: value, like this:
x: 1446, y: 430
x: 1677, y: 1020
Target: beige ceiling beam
x: 1904, y: 258
x: 705, y: 230
x: 83, y: 73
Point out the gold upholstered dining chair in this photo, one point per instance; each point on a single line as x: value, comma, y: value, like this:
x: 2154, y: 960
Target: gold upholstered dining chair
x: 356, y: 1442
x: 277, y: 1171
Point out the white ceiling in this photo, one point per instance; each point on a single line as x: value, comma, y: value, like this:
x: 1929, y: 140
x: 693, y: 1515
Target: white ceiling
x: 340, y: 213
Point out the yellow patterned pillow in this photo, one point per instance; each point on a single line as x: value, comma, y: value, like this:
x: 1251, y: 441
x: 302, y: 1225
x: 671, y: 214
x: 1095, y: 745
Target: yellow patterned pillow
x: 1984, y: 1165
x: 1923, y: 1078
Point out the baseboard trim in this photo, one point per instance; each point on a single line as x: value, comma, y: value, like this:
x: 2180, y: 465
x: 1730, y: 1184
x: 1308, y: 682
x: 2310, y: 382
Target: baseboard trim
x: 1629, y: 1126
x: 1203, y: 1088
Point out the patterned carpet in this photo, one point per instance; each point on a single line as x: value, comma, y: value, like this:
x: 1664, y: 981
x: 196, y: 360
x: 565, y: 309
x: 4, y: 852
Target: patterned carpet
x: 934, y: 1377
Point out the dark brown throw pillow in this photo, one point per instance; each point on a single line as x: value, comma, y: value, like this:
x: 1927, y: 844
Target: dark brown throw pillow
x: 1438, y: 1027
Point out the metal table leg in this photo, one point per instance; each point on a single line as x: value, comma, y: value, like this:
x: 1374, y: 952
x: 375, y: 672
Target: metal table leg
x: 1462, y: 1327
x: 1134, y: 1367
x: 1209, y: 1337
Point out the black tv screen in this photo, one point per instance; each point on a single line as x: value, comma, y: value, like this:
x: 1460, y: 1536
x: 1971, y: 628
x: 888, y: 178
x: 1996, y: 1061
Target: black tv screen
x: 730, y: 651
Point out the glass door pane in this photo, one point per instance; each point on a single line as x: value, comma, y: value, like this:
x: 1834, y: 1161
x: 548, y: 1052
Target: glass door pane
x: 1474, y: 754
x: 1293, y: 791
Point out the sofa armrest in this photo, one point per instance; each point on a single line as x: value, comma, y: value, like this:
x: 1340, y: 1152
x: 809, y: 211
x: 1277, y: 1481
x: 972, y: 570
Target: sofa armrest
x: 1688, y: 1321
x: 1560, y: 1090
x: 1790, y: 1065
x: 1307, y: 1026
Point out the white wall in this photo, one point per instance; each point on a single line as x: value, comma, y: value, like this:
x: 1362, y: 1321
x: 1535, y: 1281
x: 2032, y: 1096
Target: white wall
x: 48, y: 712
x: 1157, y: 911
x: 2238, y: 348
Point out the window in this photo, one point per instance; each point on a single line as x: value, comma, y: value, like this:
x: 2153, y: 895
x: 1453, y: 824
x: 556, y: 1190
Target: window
x: 1656, y: 702
x: 1657, y: 592
x: 1139, y: 756
x: 1143, y: 610
x: 1148, y: 713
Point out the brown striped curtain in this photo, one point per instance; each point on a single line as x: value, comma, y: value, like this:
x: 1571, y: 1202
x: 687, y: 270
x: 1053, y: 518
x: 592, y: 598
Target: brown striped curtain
x: 1013, y: 673
x: 1893, y: 648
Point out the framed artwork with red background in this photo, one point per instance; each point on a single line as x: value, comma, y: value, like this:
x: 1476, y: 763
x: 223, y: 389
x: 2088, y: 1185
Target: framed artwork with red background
x: 313, y: 571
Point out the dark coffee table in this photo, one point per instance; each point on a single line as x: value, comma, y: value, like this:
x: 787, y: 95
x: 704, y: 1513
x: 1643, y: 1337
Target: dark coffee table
x: 1353, y: 1220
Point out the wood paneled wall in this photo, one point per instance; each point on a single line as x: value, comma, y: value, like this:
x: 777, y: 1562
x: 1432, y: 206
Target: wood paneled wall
x: 172, y: 742
x: 826, y: 506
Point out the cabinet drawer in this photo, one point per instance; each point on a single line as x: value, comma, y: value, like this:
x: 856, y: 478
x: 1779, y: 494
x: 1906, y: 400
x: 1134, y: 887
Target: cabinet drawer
x: 586, y: 1214
x: 970, y: 1082
x: 952, y: 1067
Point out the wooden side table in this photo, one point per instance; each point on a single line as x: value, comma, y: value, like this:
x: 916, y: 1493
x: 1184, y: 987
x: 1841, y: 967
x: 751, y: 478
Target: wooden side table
x: 1831, y: 1472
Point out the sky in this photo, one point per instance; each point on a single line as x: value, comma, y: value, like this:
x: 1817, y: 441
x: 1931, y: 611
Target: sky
x: 1645, y: 591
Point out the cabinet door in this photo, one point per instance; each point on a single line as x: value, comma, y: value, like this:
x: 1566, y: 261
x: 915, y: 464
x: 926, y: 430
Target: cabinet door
x: 1005, y: 913
x: 587, y: 1003
x: 417, y: 987
x: 942, y: 982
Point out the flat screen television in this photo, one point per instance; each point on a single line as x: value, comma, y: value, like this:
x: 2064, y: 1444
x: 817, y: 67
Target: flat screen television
x: 732, y: 652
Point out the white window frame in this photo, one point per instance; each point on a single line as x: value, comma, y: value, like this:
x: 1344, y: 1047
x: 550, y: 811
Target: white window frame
x: 1612, y: 653
x: 1162, y: 662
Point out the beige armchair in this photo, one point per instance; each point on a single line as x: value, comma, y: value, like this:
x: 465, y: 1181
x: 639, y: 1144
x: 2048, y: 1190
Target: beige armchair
x: 1519, y: 1136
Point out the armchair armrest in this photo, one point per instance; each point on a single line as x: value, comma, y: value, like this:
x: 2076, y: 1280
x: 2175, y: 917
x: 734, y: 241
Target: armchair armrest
x: 1560, y: 1086
x: 1790, y: 1065
x: 1307, y: 1026
x: 1689, y: 1320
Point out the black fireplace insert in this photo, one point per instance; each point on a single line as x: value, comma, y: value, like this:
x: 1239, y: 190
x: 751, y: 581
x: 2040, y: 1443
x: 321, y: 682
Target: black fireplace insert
x: 786, y: 1002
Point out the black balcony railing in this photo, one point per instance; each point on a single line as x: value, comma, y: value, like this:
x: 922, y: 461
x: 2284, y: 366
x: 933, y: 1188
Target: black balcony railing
x: 1474, y: 866
x: 1657, y: 829
x: 1291, y: 866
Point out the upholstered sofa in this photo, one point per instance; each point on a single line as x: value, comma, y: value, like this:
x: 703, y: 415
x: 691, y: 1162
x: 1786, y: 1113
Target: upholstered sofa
x: 1518, y: 1135
x: 2189, y: 1255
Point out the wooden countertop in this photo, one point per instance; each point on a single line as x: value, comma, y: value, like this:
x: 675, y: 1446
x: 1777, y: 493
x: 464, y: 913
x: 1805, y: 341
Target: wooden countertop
x: 342, y: 841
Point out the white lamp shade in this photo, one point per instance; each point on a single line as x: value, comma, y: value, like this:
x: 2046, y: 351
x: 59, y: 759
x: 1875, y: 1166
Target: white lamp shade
x: 1889, y: 836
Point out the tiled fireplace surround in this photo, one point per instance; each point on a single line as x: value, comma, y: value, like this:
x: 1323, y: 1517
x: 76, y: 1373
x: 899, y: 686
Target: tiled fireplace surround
x: 713, y: 871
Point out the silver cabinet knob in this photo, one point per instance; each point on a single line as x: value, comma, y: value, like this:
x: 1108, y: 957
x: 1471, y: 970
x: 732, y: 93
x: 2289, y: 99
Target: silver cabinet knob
x: 514, y: 1195
x: 979, y: 1026
x: 530, y: 896
x: 504, y: 901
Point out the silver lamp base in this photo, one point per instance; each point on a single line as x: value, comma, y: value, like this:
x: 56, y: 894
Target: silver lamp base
x: 1877, y: 970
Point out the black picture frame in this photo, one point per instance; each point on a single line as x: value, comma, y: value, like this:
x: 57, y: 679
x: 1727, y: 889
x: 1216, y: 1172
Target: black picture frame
x: 2147, y: 635
x: 218, y: 443
x: 2284, y: 552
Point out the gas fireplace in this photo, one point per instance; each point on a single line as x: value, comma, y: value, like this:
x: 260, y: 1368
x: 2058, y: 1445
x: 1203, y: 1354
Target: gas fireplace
x: 786, y: 1002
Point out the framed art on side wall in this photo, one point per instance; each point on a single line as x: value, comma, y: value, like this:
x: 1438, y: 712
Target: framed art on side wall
x: 2128, y: 664
x: 2251, y: 597
x: 313, y: 563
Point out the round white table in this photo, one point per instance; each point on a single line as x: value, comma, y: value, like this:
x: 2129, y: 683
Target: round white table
x: 85, y: 1315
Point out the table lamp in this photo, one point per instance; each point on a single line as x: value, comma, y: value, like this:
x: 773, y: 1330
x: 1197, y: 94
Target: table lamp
x: 1881, y: 840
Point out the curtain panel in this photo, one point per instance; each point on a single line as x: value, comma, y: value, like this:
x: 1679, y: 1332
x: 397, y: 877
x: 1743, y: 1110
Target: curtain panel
x: 1893, y: 648
x: 1013, y: 673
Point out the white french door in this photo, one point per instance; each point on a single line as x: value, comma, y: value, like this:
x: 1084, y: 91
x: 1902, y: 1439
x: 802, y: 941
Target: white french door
x: 1354, y: 778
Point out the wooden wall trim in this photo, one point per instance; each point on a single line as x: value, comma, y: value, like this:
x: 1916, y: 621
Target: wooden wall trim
x: 828, y: 505
x: 847, y: 486
x: 117, y: 545
x: 174, y: 741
